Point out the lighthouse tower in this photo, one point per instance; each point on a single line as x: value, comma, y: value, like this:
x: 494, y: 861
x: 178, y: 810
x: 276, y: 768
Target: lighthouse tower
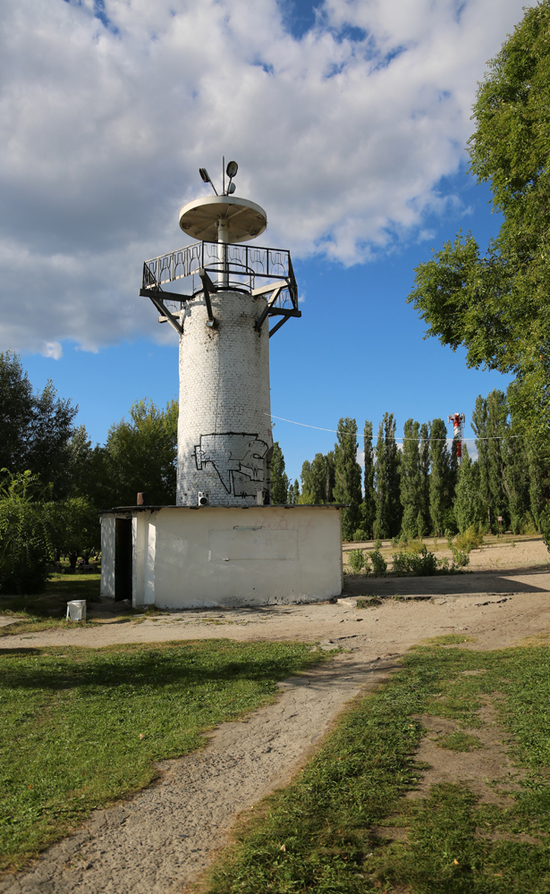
x: 234, y: 290
x: 223, y: 543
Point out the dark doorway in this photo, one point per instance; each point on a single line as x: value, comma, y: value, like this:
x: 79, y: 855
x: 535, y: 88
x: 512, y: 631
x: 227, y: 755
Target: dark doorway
x: 123, y: 559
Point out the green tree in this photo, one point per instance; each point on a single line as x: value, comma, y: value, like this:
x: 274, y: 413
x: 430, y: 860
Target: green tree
x: 386, y: 477
x: 36, y: 428
x: 489, y: 422
x: 16, y: 410
x: 49, y: 438
x: 141, y: 455
x: 279, y: 478
x: 469, y: 508
x: 424, y: 522
x: 318, y: 479
x: 76, y: 529
x: 26, y: 535
x: 369, y: 501
x: 441, y: 497
x: 347, y: 474
x: 294, y: 493
x: 497, y: 304
x: 411, y: 480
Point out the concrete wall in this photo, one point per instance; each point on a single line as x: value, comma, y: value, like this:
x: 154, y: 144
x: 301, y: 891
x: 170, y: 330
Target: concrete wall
x: 214, y: 556
x: 224, y: 429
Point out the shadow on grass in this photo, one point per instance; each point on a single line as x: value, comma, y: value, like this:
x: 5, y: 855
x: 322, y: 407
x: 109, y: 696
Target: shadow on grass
x: 138, y: 667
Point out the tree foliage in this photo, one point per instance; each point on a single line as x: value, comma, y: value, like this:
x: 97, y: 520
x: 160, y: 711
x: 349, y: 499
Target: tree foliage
x: 141, y: 455
x: 26, y: 534
x: 387, y: 480
x: 37, y: 428
x: 497, y: 304
x: 441, y: 478
x: 279, y: 478
x: 411, y: 482
x: 369, y: 500
x: 347, y: 476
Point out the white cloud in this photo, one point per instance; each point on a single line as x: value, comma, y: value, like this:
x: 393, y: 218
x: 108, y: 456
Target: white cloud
x: 103, y: 125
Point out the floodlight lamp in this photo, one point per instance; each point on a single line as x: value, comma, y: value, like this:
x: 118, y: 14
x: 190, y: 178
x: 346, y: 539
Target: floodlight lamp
x: 232, y: 169
x: 231, y: 189
x: 205, y: 177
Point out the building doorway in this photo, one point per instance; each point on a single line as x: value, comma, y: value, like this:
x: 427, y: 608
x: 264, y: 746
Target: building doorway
x: 123, y: 559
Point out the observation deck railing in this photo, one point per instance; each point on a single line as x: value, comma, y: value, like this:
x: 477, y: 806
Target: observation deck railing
x: 231, y: 266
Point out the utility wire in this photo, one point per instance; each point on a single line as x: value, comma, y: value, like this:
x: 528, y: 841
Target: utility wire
x: 335, y: 431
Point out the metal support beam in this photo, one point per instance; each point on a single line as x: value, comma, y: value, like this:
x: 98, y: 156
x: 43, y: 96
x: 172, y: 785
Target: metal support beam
x: 159, y: 304
x: 209, y: 288
x: 261, y: 319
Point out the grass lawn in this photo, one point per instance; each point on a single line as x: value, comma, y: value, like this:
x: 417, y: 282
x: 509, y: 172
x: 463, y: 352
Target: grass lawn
x: 328, y: 831
x: 82, y: 728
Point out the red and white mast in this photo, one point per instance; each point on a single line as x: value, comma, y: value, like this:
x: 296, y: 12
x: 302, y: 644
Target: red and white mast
x: 458, y: 420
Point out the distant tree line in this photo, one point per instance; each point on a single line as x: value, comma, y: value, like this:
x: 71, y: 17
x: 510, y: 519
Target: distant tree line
x: 417, y: 486
x: 53, y: 482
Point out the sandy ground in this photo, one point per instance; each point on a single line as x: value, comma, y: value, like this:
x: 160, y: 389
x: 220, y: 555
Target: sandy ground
x: 161, y: 840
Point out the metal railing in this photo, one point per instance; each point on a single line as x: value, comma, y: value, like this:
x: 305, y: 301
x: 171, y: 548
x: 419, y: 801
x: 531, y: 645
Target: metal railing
x: 232, y: 266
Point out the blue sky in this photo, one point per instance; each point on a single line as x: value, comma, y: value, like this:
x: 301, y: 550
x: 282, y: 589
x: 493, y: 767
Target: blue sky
x: 349, y: 120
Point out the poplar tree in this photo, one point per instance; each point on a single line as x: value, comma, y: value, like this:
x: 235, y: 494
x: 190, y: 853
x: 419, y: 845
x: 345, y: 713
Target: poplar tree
x: 388, y: 503
x: 279, y: 479
x: 489, y: 424
x: 469, y: 508
x: 440, y: 496
x: 369, y: 501
x: 424, y: 522
x: 411, y: 479
x: 347, y: 476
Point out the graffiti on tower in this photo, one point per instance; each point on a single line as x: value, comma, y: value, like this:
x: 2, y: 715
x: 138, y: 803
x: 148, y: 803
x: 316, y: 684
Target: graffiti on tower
x: 239, y: 459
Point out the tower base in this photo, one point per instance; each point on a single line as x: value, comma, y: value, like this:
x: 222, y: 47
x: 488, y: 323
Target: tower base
x: 176, y: 557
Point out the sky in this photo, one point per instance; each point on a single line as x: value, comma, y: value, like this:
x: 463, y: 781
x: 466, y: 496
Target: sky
x: 349, y: 120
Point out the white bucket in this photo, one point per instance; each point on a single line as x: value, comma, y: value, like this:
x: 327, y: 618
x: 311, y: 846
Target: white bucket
x: 76, y: 610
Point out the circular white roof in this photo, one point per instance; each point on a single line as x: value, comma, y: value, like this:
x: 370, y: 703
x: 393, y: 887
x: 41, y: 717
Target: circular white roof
x: 244, y: 219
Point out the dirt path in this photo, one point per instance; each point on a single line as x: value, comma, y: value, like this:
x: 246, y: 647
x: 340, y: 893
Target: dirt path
x: 162, y: 839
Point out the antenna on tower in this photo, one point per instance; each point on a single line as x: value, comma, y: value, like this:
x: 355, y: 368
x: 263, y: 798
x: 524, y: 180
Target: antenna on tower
x: 458, y: 420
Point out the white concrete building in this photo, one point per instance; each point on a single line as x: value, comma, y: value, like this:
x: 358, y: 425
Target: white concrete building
x: 176, y: 557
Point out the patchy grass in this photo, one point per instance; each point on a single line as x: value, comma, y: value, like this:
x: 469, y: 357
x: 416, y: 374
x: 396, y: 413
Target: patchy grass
x: 368, y: 601
x: 459, y: 741
x: 82, y: 728
x: 344, y: 826
x: 449, y: 639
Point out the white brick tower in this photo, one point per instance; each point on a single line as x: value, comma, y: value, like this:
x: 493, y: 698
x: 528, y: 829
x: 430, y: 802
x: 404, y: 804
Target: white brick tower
x: 224, y: 432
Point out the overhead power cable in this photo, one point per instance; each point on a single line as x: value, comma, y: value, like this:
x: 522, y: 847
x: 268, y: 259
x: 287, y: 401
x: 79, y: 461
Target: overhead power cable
x: 335, y: 431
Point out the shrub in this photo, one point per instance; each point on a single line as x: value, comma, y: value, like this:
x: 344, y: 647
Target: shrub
x: 422, y: 564
x: 360, y: 535
x: 401, y: 564
x: 379, y: 564
x: 470, y: 539
x: 356, y: 560
x: 460, y: 558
